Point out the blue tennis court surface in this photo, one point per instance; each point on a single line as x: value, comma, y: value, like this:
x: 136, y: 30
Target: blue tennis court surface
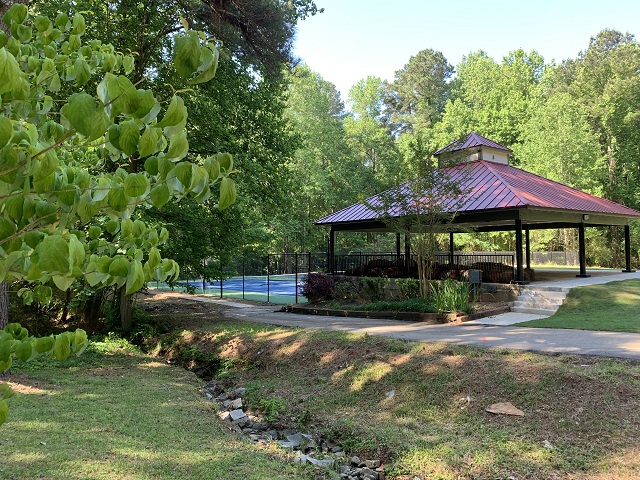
x: 279, y: 289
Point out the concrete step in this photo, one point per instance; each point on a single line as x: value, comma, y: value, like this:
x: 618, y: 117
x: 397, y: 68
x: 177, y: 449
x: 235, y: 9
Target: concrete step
x: 544, y: 294
x: 537, y: 304
x: 537, y: 311
x: 542, y: 288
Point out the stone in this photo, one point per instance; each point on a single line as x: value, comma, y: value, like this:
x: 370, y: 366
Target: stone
x: 344, y: 469
x: 372, y: 463
x: 368, y: 471
x: 326, y: 462
x: 285, y: 444
x: 227, y: 404
x: 296, y: 439
x: 224, y: 415
x: 235, y: 404
x: 355, y: 461
x: 390, y: 394
x: 339, y: 455
x: 237, y: 414
x: 221, y: 398
x: 240, y: 391
x: 260, y: 426
x: 504, y: 408
x: 336, y: 449
x: 273, y: 434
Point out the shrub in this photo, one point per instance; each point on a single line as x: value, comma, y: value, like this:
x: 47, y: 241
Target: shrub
x: 451, y: 296
x: 373, y: 288
x: 409, y: 287
x: 319, y: 286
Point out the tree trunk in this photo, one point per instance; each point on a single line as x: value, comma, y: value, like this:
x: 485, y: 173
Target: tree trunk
x: 92, y: 310
x: 126, y: 317
x: 4, y: 304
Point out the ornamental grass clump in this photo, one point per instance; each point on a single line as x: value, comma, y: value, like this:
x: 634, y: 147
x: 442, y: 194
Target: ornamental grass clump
x: 451, y: 296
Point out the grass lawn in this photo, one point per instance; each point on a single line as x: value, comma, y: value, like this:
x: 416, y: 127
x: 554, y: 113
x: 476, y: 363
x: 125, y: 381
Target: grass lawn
x: 115, y: 413
x: 612, y: 306
x: 581, y: 417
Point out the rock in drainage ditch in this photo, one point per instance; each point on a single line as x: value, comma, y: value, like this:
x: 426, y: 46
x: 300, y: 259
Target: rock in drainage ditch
x: 306, y: 445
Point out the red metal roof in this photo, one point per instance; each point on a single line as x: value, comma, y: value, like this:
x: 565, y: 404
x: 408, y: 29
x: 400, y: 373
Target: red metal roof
x: 471, y: 140
x: 494, y: 186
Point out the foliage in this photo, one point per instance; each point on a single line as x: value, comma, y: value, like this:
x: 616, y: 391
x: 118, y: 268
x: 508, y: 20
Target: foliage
x: 424, y: 206
x: 52, y: 182
x: 406, y: 305
x: 15, y: 342
x: 417, y: 96
x: 409, y: 287
x: 272, y: 407
x: 320, y: 286
x: 373, y: 288
x: 451, y: 296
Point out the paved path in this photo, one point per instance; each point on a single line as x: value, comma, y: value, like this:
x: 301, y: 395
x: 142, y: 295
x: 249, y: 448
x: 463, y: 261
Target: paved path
x: 492, y: 332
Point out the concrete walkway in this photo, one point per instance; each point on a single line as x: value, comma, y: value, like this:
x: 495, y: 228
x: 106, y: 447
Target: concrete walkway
x: 492, y: 332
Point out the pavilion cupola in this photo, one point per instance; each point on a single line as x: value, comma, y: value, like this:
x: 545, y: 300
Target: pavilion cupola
x: 473, y: 147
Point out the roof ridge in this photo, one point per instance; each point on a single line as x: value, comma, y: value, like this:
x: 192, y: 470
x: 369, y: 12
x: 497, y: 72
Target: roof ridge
x: 504, y: 182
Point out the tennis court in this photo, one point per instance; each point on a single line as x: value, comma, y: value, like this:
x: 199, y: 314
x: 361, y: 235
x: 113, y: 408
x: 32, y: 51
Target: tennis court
x: 280, y: 289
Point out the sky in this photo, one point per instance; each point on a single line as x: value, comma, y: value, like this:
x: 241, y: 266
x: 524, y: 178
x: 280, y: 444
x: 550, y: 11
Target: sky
x: 353, y: 39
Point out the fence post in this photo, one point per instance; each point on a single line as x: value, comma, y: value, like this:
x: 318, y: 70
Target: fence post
x: 243, y: 278
x: 268, y: 278
x: 296, y: 287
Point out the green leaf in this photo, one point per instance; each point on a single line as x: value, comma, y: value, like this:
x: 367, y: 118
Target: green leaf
x: 129, y: 137
x: 10, y: 73
x: 82, y: 71
x: 63, y: 283
x: 208, y: 65
x: 24, y: 350
x: 80, y: 341
x: 44, y: 344
x: 17, y: 13
x: 182, y: 172
x: 186, y: 53
x: 159, y: 195
x: 149, y: 141
x: 213, y: 168
x: 126, y: 227
x: 154, y: 257
x: 6, y: 131
x: 112, y: 226
x: 135, y: 278
x: 78, y: 25
x: 61, y: 347
x: 119, y: 267
x: 135, y: 184
x: 226, y: 161
x: 99, y: 123
x: 79, y: 111
x: 227, y: 193
x: 4, y: 411
x: 146, y: 102
x: 151, y: 165
x: 178, y: 146
x: 123, y: 93
x: 176, y: 112
x: 13, y: 207
x: 53, y: 255
x: 95, y: 232
x: 45, y: 165
x: 117, y: 199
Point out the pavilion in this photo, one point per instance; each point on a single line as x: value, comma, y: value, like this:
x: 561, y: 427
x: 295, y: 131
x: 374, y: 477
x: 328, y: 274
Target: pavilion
x: 499, y: 197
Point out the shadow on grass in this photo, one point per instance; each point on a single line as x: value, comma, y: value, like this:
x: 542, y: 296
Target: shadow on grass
x: 580, y: 413
x: 127, y: 417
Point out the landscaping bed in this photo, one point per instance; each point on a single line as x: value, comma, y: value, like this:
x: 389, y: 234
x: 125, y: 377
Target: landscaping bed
x: 483, y: 310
